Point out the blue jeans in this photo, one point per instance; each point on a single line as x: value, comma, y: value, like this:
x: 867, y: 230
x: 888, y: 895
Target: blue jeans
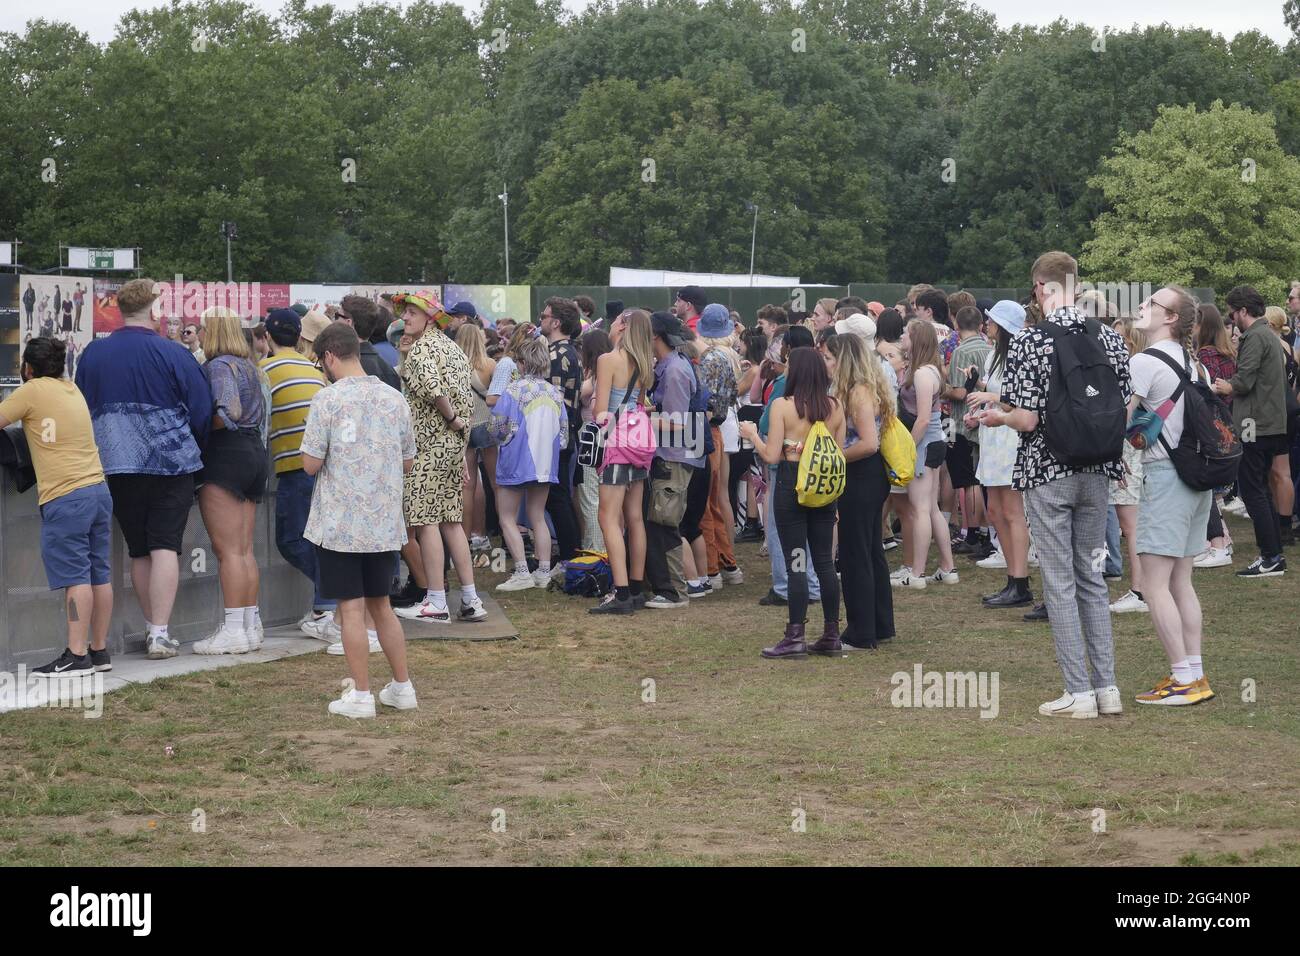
x: 292, y: 505
x: 780, y: 581
x: 1114, y: 554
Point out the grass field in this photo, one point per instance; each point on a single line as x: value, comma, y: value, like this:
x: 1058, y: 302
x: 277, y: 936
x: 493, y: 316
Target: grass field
x: 550, y: 739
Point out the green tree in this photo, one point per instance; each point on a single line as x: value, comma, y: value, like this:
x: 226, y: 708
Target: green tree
x: 1202, y: 198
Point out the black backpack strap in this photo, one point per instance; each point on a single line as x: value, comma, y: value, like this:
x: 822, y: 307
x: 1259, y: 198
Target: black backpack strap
x: 1183, y: 381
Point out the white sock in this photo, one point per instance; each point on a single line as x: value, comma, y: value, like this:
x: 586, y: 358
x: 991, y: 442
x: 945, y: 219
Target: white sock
x: 468, y: 594
x: 437, y: 598
x: 1183, y: 672
x: 250, y: 618
x: 235, y: 618
x: 521, y: 566
x: 158, y: 630
x: 1197, y: 670
x: 372, y: 635
x: 360, y: 696
x: 400, y: 685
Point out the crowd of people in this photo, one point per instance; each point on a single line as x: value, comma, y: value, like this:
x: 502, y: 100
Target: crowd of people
x: 402, y: 432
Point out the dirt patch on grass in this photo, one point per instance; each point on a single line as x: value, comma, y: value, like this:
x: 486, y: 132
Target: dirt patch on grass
x: 1151, y: 846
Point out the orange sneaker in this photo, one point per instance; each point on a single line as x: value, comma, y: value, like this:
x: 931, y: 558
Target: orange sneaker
x: 1171, y: 694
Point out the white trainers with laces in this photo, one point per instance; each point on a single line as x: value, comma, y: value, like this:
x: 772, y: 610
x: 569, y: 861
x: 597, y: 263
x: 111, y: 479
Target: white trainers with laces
x: 161, y: 648
x: 521, y: 580
x: 337, y: 649
x: 1129, y: 603
x: 994, y: 561
x: 424, y: 611
x: 542, y: 579
x: 225, y: 640
x: 390, y: 696
x: 351, y: 704
x: 715, y: 581
x: 941, y: 576
x: 473, y: 611
x: 734, y: 576
x: 1081, y: 705
x: 1108, y: 700
x: 1214, y: 558
x: 318, y: 626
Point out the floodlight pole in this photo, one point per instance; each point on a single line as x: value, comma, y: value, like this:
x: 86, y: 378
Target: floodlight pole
x: 505, y: 211
x: 753, y: 241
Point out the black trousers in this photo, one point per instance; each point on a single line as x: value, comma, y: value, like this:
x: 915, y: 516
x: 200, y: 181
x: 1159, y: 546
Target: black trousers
x: 697, y: 502
x: 796, y: 524
x: 1252, y: 478
x: 864, y: 571
x: 559, y: 505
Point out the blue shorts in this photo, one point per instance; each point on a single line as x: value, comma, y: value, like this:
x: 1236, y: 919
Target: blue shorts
x: 1172, y: 518
x: 76, y: 537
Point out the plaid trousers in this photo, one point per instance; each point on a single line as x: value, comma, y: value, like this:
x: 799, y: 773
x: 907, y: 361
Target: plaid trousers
x: 1068, y: 521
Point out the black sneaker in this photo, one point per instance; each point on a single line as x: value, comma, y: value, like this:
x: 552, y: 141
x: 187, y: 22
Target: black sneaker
x: 1260, y: 568
x: 699, y: 590
x: 1039, y: 613
x: 100, y: 661
x: 612, y: 605
x: 638, y: 601
x: 772, y: 599
x: 411, y: 593
x: 67, y: 665
x: 753, y: 531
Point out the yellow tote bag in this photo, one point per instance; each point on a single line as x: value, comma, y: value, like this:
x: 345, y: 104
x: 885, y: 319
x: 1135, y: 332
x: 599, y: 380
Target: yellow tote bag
x: 822, y: 469
x: 899, y: 449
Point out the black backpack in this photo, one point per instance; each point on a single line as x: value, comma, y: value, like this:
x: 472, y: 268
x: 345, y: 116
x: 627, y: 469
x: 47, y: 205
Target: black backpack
x: 1208, y: 451
x: 1086, y: 416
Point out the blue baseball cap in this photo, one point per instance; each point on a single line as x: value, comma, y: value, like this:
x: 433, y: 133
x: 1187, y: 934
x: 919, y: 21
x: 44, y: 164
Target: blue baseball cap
x: 465, y: 309
x: 283, y: 320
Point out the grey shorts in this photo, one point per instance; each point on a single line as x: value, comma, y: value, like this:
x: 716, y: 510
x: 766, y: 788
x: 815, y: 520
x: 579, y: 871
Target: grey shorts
x: 1172, y: 518
x: 623, y: 475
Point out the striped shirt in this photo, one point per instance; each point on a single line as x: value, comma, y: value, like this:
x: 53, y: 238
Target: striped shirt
x: 294, y: 383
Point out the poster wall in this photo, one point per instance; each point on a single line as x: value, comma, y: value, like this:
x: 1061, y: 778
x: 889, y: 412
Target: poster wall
x: 58, y: 306
x: 10, y: 338
x: 492, y: 302
x: 107, y: 315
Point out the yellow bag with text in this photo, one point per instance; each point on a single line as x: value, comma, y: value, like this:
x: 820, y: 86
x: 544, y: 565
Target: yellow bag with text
x: 822, y: 469
x: 899, y: 449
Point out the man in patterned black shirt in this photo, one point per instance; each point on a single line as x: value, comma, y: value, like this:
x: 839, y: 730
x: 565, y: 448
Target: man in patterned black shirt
x: 560, y: 321
x: 1066, y: 505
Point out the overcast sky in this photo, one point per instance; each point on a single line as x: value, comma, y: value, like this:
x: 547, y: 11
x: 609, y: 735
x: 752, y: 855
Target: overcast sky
x: 98, y: 17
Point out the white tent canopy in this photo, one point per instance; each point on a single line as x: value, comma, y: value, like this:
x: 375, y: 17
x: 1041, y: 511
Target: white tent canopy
x: 645, y: 278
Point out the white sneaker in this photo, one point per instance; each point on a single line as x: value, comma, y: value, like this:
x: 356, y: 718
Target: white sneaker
x: 401, y: 699
x: 1128, y: 603
x: 478, y: 542
x: 424, y: 612
x: 1236, y: 507
x: 225, y: 640
x: 1214, y: 558
x: 473, y: 611
x: 542, y: 579
x: 909, y: 579
x: 1033, y: 557
x: 255, y: 636
x: 941, y: 576
x: 715, y: 581
x: 896, y: 577
x: 1108, y: 700
x: 521, y: 580
x: 319, y: 626
x: 736, y: 576
x: 337, y: 649
x: 994, y: 561
x: 161, y: 648
x: 1081, y: 705
x: 351, y: 705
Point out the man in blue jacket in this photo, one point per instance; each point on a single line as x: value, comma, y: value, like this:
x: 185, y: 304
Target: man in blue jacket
x: 151, y: 408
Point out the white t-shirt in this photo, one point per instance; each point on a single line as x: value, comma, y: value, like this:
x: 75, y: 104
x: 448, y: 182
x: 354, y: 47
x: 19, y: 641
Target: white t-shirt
x: 1154, y: 383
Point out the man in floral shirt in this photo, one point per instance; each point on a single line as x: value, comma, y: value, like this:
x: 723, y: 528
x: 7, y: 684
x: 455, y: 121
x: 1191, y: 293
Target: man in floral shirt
x: 359, y: 444
x: 1066, y: 505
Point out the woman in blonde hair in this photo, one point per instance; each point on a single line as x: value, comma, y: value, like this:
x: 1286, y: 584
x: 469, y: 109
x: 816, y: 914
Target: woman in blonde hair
x: 1173, y: 516
x: 1125, y: 495
x: 919, y: 396
x: 233, y: 479
x: 480, y: 447
x: 624, y: 379
x: 858, y: 383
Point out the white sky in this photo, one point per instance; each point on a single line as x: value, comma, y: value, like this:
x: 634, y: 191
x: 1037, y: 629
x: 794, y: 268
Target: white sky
x: 98, y: 17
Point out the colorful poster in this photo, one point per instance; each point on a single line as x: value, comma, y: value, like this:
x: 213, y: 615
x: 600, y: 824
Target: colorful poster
x: 271, y: 295
x: 10, y: 338
x: 58, y: 306
x: 107, y: 315
x: 492, y: 302
x: 317, y: 296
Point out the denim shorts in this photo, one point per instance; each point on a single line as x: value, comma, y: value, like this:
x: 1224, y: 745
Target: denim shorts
x: 1172, y: 518
x: 479, y: 436
x: 76, y: 537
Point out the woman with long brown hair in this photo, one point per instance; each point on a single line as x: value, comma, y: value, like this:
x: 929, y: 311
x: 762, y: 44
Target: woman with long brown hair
x: 804, y: 402
x: 480, y: 447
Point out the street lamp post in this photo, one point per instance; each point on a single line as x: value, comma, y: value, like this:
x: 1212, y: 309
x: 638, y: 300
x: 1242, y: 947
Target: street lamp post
x: 228, y: 232
x: 753, y: 239
x: 504, y: 196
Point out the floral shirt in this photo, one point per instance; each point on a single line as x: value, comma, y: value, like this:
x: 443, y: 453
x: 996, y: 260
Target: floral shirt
x: 566, y: 375
x: 717, y: 375
x: 1025, y: 384
x: 362, y: 429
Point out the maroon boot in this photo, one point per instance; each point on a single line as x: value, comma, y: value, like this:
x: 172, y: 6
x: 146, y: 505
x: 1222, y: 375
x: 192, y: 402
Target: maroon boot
x: 792, y: 645
x: 829, y: 645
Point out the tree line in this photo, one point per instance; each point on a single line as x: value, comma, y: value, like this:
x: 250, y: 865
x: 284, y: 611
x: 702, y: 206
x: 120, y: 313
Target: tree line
x: 879, y: 140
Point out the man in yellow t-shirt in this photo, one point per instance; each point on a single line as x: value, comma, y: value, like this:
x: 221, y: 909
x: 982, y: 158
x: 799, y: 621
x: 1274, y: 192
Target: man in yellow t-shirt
x: 294, y: 381
x: 76, y: 507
